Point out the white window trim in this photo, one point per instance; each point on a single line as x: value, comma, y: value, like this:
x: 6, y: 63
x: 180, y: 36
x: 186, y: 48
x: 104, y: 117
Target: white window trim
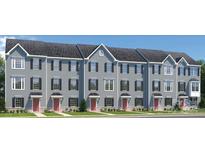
x: 171, y: 86
x: 37, y: 60
x: 13, y: 63
x: 13, y: 83
x: 109, y: 84
x: 195, y: 87
x: 171, y: 71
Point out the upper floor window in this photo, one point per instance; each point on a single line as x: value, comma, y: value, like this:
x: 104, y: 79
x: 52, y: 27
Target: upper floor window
x: 139, y: 69
x: 124, y: 68
x: 18, y: 83
x: 156, y: 69
x: 138, y: 85
x: 194, y: 71
x: 168, y: 86
x: 18, y: 63
x: 35, y: 63
x: 109, y: 67
x: 168, y: 70
x: 73, y: 66
x: 108, y: 85
x: 93, y: 84
x: 93, y: 66
x: 17, y: 102
x: 56, y: 84
x: 72, y: 102
x: 109, y: 102
x: 35, y: 83
x: 156, y: 85
x: 138, y: 101
x: 56, y: 65
x: 181, y: 86
x: 181, y: 70
x: 73, y: 84
x: 195, y: 86
x: 124, y: 85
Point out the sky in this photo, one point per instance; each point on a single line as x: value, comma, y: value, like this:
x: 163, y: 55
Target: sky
x: 193, y: 45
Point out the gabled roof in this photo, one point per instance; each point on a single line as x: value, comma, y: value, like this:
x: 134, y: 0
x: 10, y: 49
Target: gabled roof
x: 125, y: 54
x: 153, y: 55
x: 178, y: 55
x: 45, y: 48
x: 160, y: 55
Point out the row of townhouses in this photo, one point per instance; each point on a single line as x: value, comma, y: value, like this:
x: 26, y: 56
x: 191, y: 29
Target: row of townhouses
x: 52, y: 76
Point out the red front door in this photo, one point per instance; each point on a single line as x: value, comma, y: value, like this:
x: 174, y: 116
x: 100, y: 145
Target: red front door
x: 124, y: 104
x: 93, y: 104
x: 36, y: 104
x: 181, y: 103
x: 56, y: 104
x: 156, y: 102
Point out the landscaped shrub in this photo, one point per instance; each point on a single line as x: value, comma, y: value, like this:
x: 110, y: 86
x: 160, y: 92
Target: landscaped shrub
x: 202, y: 103
x: 83, y: 106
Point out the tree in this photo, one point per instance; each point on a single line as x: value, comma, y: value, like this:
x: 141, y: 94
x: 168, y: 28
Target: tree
x: 2, y: 84
x: 202, y: 63
x: 83, y: 106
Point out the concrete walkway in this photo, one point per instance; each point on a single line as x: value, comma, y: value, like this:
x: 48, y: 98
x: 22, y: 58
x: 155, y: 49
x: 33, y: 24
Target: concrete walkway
x: 64, y: 114
x: 38, y: 114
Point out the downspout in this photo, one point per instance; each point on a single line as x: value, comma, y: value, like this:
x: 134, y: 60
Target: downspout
x: 117, y: 86
x: 46, y: 83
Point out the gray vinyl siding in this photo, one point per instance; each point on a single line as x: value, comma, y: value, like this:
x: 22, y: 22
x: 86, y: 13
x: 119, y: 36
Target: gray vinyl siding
x: 28, y: 73
x: 101, y: 75
x: 83, y: 75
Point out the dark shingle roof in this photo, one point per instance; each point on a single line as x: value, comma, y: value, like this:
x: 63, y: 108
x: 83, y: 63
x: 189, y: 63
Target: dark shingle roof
x: 178, y: 55
x: 153, y: 55
x: 45, y: 48
x: 125, y: 54
x: 159, y: 55
x: 83, y: 51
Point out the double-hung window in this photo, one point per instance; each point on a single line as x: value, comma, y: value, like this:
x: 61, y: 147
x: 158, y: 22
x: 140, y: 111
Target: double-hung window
x: 108, y: 85
x: 168, y: 70
x: 73, y: 84
x: 36, y: 83
x: 194, y: 71
x: 138, y: 69
x: 73, y: 102
x: 18, y: 102
x: 168, y: 86
x: 156, y: 85
x: 56, y: 84
x: 93, y: 84
x: 93, y: 66
x: 181, y: 86
x: 18, y: 63
x: 124, y: 85
x: 138, y: 85
x: 109, y: 67
x: 138, y: 101
x: 168, y: 102
x: 109, y: 102
x: 181, y: 70
x: 125, y: 68
x: 195, y: 86
x: 18, y: 83
x: 156, y: 69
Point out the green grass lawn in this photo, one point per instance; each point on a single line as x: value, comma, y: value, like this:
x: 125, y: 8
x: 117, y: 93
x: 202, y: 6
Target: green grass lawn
x: 126, y: 112
x: 52, y: 114
x: 17, y: 115
x: 83, y: 113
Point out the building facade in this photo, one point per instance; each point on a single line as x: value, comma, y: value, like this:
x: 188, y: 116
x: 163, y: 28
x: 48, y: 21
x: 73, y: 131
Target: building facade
x: 52, y: 76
